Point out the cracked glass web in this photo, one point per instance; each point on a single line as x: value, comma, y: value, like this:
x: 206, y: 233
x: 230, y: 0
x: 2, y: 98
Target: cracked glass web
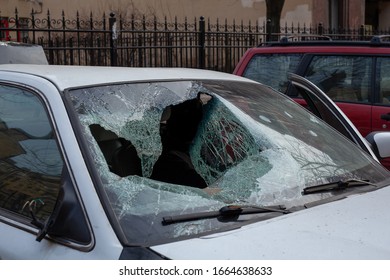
x: 251, y: 154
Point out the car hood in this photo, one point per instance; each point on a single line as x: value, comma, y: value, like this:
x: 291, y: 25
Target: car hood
x: 356, y: 227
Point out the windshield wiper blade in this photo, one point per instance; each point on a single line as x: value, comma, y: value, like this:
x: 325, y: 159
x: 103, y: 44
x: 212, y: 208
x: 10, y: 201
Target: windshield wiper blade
x: 336, y: 186
x: 229, y: 211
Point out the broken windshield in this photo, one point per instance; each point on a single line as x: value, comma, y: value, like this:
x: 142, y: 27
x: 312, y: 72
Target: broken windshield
x: 250, y: 145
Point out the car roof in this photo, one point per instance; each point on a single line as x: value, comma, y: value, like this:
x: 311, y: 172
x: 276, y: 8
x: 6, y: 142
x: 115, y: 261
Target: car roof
x: 329, y: 49
x: 79, y: 76
x: 288, y: 44
x: 334, y: 50
x: 17, y: 52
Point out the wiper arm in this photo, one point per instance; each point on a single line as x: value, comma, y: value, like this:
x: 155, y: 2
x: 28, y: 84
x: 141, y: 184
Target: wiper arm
x: 229, y: 211
x: 336, y: 186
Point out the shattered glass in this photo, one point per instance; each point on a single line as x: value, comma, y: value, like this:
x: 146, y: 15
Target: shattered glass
x: 253, y: 146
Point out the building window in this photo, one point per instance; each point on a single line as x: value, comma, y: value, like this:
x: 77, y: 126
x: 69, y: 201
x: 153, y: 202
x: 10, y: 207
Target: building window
x: 336, y: 13
x: 3, y: 24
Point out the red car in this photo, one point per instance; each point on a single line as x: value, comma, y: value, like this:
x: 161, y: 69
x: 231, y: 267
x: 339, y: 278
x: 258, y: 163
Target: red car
x: 356, y: 75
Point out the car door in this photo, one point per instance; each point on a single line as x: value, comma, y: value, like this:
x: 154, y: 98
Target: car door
x: 347, y: 80
x: 381, y: 105
x: 321, y: 105
x: 37, y: 195
x: 381, y: 108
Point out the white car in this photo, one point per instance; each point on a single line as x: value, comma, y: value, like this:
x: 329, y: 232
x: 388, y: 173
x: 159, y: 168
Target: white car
x: 138, y: 163
x: 21, y: 53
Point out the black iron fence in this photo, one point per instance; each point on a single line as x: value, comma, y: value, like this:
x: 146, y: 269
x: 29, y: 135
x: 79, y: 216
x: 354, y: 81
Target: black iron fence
x: 140, y: 41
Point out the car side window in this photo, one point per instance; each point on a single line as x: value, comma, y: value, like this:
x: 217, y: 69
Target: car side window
x: 272, y: 69
x: 383, y: 79
x: 30, y: 161
x: 342, y: 78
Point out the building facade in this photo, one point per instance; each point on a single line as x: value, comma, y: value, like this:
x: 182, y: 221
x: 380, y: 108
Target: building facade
x: 348, y: 14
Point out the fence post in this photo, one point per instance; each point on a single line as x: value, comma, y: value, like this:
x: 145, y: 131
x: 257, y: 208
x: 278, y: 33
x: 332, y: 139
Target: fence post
x: 320, y: 29
x: 50, y: 42
x: 113, y: 39
x: 268, y: 31
x: 202, y: 40
x: 361, y: 32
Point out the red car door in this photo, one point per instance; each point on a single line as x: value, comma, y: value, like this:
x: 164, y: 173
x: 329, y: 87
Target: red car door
x: 359, y: 114
x: 380, y: 118
x: 381, y: 108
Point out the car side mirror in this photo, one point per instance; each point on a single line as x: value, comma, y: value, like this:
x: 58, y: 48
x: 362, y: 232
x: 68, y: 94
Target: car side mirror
x: 380, y: 143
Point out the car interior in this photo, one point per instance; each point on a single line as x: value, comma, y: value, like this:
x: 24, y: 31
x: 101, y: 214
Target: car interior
x: 120, y: 154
